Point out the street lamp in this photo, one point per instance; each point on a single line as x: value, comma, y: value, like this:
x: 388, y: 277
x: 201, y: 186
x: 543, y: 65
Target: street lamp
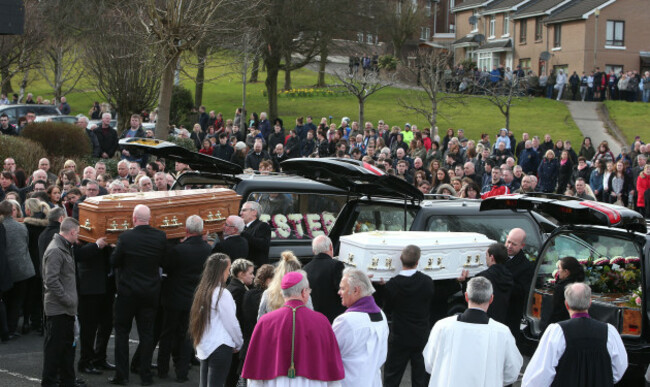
x: 596, y: 13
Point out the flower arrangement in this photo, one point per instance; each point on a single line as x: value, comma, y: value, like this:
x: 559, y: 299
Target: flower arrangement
x: 616, y: 276
x: 635, y: 298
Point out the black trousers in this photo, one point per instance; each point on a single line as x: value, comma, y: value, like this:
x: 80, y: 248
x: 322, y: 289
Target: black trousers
x: 396, y: 361
x: 215, y: 368
x: 58, y: 351
x: 174, y: 335
x: 157, y: 329
x: 4, y: 331
x: 96, y: 324
x: 33, y: 305
x: 14, y: 300
x: 144, y: 312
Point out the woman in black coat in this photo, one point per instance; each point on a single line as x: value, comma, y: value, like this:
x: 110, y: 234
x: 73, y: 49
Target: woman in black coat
x: 620, y: 185
x: 547, y: 172
x: 36, y: 221
x: 565, y: 172
x: 569, y: 270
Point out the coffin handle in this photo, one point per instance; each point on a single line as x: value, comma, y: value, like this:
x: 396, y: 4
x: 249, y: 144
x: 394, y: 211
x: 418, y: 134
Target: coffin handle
x: 86, y: 226
x: 211, y: 218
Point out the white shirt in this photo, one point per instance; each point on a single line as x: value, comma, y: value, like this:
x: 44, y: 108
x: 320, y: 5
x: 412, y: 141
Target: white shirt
x: 464, y: 354
x: 222, y: 328
x: 541, y: 368
x: 364, y: 346
x: 408, y: 273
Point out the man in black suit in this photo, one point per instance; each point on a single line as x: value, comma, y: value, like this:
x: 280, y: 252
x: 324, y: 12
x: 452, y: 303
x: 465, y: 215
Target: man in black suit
x: 233, y: 244
x: 257, y: 233
x: 324, y: 274
x: 184, y: 266
x: 92, y: 190
x: 522, y: 273
x: 137, y: 257
x: 407, y: 300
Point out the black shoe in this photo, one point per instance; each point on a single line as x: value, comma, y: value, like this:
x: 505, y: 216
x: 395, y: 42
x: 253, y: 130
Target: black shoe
x: 117, y: 381
x: 26, y: 329
x: 80, y: 383
x: 182, y: 379
x: 89, y: 370
x: 104, y: 365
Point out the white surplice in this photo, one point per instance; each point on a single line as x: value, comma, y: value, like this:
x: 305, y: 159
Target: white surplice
x: 541, y: 368
x: 298, y: 381
x: 466, y: 354
x: 364, y: 345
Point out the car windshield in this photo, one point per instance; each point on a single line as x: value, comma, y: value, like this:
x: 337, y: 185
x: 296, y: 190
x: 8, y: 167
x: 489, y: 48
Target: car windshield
x: 375, y: 216
x: 494, y: 227
x: 612, y: 269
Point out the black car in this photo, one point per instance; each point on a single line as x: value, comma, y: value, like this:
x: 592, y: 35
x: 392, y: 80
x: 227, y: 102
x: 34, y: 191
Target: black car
x: 612, y: 244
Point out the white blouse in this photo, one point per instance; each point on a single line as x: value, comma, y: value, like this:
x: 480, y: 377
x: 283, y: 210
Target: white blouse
x: 223, y: 327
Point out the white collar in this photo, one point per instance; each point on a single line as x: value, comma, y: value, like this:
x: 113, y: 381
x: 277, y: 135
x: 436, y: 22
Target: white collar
x: 408, y: 273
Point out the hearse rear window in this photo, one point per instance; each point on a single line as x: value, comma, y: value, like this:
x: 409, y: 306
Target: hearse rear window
x: 298, y: 216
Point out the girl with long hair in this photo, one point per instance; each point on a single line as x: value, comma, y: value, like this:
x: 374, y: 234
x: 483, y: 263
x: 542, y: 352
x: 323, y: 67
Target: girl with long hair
x: 620, y: 185
x: 213, y: 322
x: 272, y: 297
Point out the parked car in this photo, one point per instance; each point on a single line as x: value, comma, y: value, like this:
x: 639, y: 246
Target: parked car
x: 16, y: 111
x: 99, y: 122
x: 612, y: 244
x: 66, y: 119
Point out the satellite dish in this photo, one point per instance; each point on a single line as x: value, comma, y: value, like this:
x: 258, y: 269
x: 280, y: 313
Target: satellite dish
x: 545, y: 55
x: 479, y: 38
x: 473, y: 20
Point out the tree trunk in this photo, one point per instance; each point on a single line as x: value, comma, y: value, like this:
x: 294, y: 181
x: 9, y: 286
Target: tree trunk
x: 201, y: 55
x: 165, y: 99
x: 23, y: 86
x: 287, y: 73
x: 58, y: 74
x: 361, y: 111
x: 434, y: 115
x: 6, y: 82
x: 272, y: 71
x: 322, y: 64
x: 255, y: 69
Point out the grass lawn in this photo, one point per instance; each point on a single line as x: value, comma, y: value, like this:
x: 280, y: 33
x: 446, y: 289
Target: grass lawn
x: 536, y: 116
x: 633, y: 119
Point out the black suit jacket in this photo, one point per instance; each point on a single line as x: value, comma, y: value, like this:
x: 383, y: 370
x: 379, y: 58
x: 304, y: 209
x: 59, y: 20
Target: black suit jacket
x: 107, y: 142
x: 258, y: 235
x: 238, y: 290
x: 184, y: 267
x: 522, y: 273
x: 324, y: 274
x: 138, y: 257
x: 92, y: 269
x: 235, y: 247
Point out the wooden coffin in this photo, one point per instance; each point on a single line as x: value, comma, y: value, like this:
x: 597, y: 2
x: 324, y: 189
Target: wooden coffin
x: 444, y: 255
x: 110, y: 215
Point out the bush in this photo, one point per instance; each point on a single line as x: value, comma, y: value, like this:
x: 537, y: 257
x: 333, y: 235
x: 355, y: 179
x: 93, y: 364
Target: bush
x: 181, y: 106
x: 59, y: 139
x: 26, y: 152
x: 388, y: 62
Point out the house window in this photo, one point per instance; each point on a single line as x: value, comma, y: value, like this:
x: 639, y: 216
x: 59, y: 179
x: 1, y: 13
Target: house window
x: 475, y: 26
x: 522, y: 31
x: 428, y: 8
x: 360, y: 37
x: 615, y: 33
x: 557, y: 36
x: 370, y: 39
x: 506, y: 24
x: 525, y: 64
x: 425, y: 33
x: 493, y: 23
x: 617, y: 68
x: 538, y: 29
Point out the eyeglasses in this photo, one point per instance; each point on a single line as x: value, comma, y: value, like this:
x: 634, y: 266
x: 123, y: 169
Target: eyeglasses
x: 246, y: 209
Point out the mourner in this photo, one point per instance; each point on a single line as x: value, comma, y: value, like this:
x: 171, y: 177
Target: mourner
x: 361, y: 332
x: 472, y: 349
x: 407, y: 300
x: 293, y: 345
x: 233, y: 244
x: 580, y: 351
x: 325, y: 274
x: 256, y: 232
x: 522, y: 273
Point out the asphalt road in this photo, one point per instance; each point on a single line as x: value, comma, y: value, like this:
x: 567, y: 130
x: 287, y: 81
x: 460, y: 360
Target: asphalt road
x: 21, y: 363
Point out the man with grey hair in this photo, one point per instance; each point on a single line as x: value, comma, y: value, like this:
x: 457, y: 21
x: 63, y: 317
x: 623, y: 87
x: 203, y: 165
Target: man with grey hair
x: 160, y: 181
x: 325, y: 275
x: 138, y: 257
x: 92, y: 190
x: 183, y: 265
x: 116, y: 186
x: 107, y: 137
x: 145, y: 184
x: 472, y: 349
x: 60, y: 306
x: 560, y: 356
x: 233, y: 244
x: 256, y: 232
x: 293, y: 344
x: 44, y: 164
x: 361, y: 332
x: 82, y: 122
x: 407, y: 301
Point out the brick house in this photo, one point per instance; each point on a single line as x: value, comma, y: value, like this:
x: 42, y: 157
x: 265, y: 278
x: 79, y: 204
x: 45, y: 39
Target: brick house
x: 541, y: 35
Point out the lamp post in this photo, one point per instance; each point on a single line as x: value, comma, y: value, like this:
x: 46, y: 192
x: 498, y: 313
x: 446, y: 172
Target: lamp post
x: 596, y: 13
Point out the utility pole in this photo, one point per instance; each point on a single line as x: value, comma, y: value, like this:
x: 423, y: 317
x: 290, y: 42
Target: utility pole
x: 596, y: 13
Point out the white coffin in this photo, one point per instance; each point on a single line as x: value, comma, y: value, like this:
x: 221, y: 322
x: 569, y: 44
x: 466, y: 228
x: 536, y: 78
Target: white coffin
x: 444, y: 254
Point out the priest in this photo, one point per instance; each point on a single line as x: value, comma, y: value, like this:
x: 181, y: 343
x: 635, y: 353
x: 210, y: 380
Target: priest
x: 472, y: 349
x: 293, y: 345
x: 362, y: 331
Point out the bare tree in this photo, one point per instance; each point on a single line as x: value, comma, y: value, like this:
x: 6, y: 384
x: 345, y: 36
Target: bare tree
x: 502, y: 93
x: 401, y: 20
x: 362, y: 86
x: 18, y: 53
x: 432, y: 69
x: 178, y: 26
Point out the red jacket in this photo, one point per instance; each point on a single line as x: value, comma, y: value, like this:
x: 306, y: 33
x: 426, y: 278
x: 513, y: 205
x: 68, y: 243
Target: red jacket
x: 642, y: 183
x: 496, y: 191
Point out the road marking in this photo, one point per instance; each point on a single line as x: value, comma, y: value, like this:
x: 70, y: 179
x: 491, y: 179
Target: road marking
x: 18, y: 375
